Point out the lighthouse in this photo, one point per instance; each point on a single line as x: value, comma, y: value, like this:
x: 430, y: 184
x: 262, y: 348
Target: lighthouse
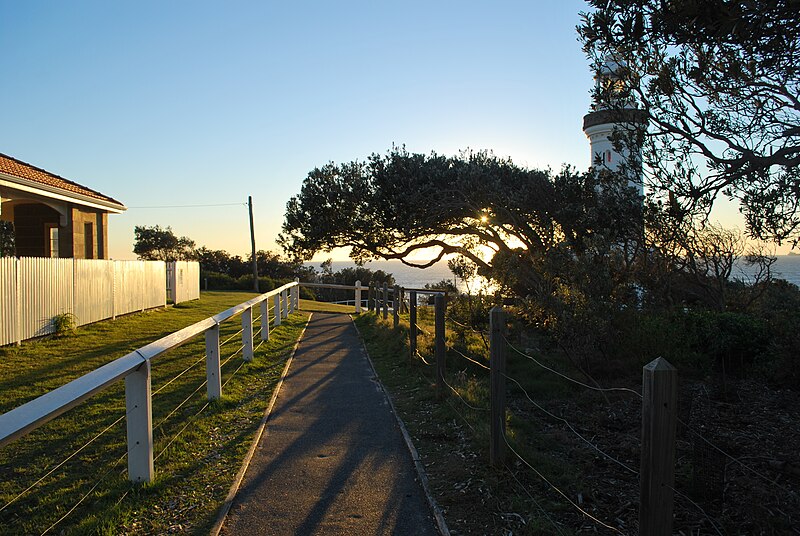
x: 616, y: 113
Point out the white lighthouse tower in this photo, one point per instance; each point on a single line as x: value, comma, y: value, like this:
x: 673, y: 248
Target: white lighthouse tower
x: 618, y: 113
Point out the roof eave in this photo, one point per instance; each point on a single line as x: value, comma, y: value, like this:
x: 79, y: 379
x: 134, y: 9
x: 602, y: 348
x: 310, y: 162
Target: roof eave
x: 53, y: 192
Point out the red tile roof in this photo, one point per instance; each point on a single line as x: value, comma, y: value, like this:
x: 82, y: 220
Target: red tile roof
x: 17, y: 168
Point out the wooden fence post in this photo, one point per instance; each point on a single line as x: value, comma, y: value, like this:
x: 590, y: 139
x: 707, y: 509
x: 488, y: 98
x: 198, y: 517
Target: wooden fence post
x: 440, y: 346
x: 213, y: 375
x: 247, y: 334
x: 497, y: 374
x: 358, y: 297
x: 396, y: 306
x: 657, y: 476
x: 296, y: 294
x: 277, y: 310
x: 139, y: 416
x: 412, y: 324
x: 371, y: 297
x: 265, y: 320
x: 385, y: 300
x: 284, y: 305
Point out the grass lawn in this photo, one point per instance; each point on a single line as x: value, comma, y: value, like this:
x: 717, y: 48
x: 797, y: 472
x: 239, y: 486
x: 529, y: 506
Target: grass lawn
x: 76, y: 465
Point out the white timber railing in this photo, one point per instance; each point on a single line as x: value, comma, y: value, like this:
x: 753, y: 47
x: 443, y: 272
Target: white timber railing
x: 135, y: 367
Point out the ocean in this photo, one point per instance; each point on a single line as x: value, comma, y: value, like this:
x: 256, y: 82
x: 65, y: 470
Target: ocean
x: 787, y: 267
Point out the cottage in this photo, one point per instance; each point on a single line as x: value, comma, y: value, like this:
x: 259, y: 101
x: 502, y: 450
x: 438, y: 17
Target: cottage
x: 53, y: 216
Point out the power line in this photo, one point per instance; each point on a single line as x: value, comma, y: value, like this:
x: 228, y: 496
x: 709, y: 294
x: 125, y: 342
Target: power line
x: 195, y: 206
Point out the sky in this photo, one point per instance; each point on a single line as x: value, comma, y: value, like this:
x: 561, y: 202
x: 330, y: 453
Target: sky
x: 182, y: 105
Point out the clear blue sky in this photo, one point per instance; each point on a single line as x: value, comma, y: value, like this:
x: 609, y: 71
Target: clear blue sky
x: 193, y: 103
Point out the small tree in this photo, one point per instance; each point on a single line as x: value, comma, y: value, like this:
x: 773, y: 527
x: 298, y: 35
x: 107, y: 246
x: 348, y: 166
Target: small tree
x: 7, y: 247
x: 157, y: 244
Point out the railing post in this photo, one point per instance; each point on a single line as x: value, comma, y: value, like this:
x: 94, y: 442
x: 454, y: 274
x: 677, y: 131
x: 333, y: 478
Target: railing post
x: 139, y: 416
x: 296, y: 294
x: 265, y: 320
x: 440, y: 346
x: 277, y: 310
x: 396, y: 306
x: 412, y: 321
x: 497, y: 380
x: 247, y: 334
x: 213, y: 375
x: 290, y: 301
x: 284, y: 305
x: 370, y: 295
x: 358, y: 297
x: 385, y: 300
x: 657, y: 476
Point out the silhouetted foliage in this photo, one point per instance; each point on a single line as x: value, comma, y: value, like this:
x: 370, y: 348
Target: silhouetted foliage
x: 7, y: 248
x: 718, y: 82
x: 157, y: 244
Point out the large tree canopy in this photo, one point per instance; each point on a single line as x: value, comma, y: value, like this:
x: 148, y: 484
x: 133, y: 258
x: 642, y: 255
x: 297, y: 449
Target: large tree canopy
x: 157, y: 244
x: 719, y: 82
x: 476, y: 205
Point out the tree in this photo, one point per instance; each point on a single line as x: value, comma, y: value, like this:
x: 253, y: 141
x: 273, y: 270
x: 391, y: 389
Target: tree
x: 718, y: 82
x: 499, y: 216
x: 7, y: 248
x: 276, y: 267
x: 221, y: 262
x: 157, y: 244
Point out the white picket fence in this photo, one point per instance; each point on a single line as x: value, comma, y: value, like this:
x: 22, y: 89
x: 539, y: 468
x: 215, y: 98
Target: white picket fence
x: 35, y: 290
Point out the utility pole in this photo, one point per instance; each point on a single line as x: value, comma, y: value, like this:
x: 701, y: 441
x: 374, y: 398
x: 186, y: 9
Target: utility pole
x: 253, y: 243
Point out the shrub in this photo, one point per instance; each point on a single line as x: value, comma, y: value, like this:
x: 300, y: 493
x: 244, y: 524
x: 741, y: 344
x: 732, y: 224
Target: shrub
x: 64, y: 324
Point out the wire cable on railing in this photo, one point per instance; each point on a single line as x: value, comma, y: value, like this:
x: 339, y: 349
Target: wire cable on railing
x: 83, y: 498
x: 466, y: 326
x: 198, y: 388
x: 185, y: 426
x: 573, y: 380
x: 422, y: 357
x: 189, y: 421
x: 460, y: 415
x: 422, y: 330
x: 64, y: 461
x: 229, y: 339
x: 708, y: 517
x: 453, y: 348
x: 171, y: 413
x: 529, y: 494
x: 231, y: 356
x: 179, y: 375
x: 243, y: 363
x: 552, y: 486
x: 470, y: 406
x: 565, y: 421
x: 757, y: 473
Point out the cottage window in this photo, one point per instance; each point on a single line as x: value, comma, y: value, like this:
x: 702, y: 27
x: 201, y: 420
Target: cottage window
x: 52, y: 241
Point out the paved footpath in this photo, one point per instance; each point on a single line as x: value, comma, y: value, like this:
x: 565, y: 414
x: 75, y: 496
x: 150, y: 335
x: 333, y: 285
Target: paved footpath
x: 332, y: 459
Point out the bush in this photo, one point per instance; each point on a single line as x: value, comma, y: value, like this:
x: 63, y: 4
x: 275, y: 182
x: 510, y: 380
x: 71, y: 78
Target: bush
x: 64, y: 324
x: 217, y: 281
x: 265, y: 284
